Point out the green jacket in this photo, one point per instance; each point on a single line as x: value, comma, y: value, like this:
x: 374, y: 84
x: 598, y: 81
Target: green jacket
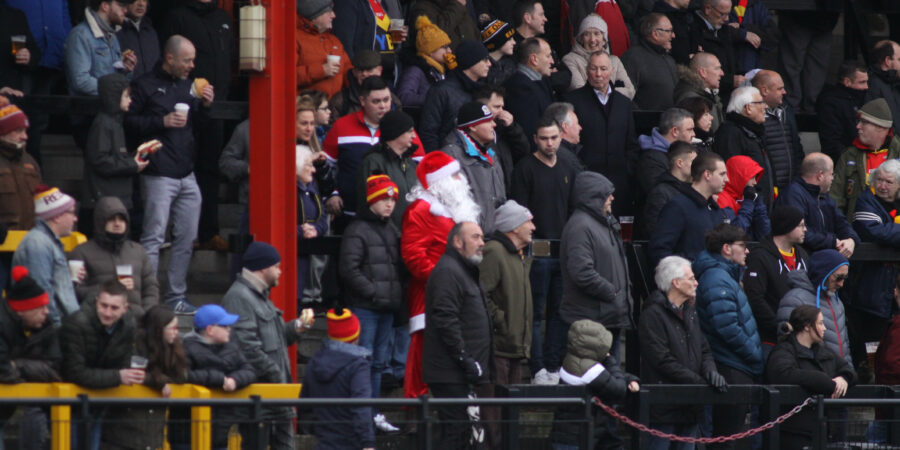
x: 505, y: 277
x: 402, y: 170
x: 850, y: 176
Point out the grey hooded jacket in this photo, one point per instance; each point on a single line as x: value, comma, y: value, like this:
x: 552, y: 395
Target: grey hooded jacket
x: 804, y: 293
x: 596, y: 285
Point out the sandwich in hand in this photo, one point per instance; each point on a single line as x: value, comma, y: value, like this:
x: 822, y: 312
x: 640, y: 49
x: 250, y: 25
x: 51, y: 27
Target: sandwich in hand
x: 147, y: 148
x: 198, y: 86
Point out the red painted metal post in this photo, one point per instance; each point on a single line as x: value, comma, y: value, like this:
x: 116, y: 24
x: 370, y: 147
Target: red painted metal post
x: 273, y: 185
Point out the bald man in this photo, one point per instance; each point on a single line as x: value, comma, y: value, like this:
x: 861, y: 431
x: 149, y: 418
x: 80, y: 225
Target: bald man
x: 703, y: 80
x: 169, y: 181
x: 826, y: 226
x: 781, y: 137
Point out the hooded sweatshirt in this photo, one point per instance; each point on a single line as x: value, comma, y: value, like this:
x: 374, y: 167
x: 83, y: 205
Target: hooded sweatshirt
x: 654, y: 160
x: 109, y: 168
x: 105, y: 251
x: 340, y: 370
x: 750, y: 215
x: 596, y: 285
x: 812, y: 291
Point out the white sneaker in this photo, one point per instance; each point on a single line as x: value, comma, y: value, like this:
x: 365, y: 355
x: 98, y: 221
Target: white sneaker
x: 382, y: 425
x: 543, y: 377
x: 554, y: 377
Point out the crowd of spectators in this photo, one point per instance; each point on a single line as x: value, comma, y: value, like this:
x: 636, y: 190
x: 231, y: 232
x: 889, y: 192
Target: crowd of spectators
x: 438, y: 148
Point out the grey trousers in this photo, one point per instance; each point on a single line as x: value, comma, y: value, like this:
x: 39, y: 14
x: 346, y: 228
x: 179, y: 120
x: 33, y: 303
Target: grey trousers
x: 180, y: 198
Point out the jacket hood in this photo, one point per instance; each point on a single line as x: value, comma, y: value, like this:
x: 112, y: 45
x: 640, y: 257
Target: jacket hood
x: 590, y: 191
x: 741, y: 169
x: 334, y: 357
x: 689, y: 77
x: 653, y: 141
x: 706, y: 261
x: 588, y: 339
x: 109, y: 89
x: 105, y: 209
x: 821, y: 265
x: 799, y: 279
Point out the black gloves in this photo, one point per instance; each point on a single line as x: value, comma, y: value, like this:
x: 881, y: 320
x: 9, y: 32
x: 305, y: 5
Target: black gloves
x: 717, y: 381
x: 472, y: 369
x: 750, y: 193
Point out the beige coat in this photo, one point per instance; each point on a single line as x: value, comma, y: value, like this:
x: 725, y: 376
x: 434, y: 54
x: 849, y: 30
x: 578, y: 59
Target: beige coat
x: 577, y: 61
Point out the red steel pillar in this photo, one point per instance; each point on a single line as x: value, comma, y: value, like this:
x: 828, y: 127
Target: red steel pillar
x: 273, y: 185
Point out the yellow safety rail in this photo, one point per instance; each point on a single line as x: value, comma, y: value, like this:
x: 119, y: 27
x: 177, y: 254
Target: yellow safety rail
x: 14, y: 237
x: 201, y: 416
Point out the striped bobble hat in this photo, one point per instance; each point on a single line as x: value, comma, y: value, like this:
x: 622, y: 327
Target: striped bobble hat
x: 343, y: 325
x: 379, y: 187
x: 25, y: 293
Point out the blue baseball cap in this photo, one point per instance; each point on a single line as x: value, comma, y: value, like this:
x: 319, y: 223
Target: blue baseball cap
x: 208, y: 315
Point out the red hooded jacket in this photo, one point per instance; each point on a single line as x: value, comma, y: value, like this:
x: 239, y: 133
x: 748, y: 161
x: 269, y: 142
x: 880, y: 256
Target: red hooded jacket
x: 741, y: 169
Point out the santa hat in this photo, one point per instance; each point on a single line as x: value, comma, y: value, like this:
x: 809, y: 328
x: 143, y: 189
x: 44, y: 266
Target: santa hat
x: 51, y: 202
x: 11, y: 119
x: 25, y: 293
x: 343, y: 325
x: 379, y: 187
x: 436, y: 166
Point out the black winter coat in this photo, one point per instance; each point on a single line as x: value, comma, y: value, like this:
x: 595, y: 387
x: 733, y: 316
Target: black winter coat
x: 512, y: 145
x: 667, y: 186
x: 93, y: 356
x: 14, y: 22
x: 684, y: 221
x: 739, y: 135
x: 209, y: 365
x: 673, y: 351
x: 143, y: 41
x: 32, y: 358
x: 609, y: 143
x: 681, y: 19
x: 813, y: 369
x: 652, y: 71
x: 885, y: 84
x: 371, y: 269
x: 209, y: 28
x: 527, y: 99
x: 720, y: 43
x: 836, y: 109
x: 457, y: 321
x: 109, y: 168
x: 824, y: 221
x: 782, y: 146
x: 442, y: 103
x: 766, y: 282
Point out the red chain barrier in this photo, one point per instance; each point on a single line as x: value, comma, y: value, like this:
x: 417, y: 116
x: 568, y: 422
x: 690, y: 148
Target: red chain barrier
x: 703, y: 440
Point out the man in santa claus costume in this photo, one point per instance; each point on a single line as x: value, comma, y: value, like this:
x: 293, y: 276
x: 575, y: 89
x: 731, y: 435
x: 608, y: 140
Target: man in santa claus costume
x: 441, y: 199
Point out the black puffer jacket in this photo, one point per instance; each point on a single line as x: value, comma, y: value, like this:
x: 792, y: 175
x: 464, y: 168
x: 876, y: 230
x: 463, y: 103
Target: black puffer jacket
x: 457, y: 321
x: 370, y: 263
x: 33, y: 357
x: 209, y: 365
x: 813, y: 369
x: 109, y: 168
x: 596, y: 285
x: 673, y: 351
x: 782, y: 144
x: 442, y: 102
x: 739, y: 135
x: 92, y: 355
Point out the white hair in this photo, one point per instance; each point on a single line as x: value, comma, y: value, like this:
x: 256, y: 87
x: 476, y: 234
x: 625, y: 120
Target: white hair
x: 890, y: 167
x: 304, y: 154
x: 740, y: 98
x: 669, y: 268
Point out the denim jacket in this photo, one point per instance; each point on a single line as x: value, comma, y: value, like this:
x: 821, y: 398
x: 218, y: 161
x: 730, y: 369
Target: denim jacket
x: 43, y: 254
x: 91, y: 50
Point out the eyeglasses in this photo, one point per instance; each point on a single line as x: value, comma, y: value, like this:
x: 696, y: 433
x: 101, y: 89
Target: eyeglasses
x: 839, y: 278
x: 722, y: 13
x: 761, y: 102
x: 664, y: 30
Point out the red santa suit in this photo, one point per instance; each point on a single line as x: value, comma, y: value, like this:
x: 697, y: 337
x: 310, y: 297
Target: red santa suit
x: 426, y: 224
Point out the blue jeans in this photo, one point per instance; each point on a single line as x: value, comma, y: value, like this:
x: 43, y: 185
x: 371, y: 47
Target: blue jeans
x: 376, y: 329
x: 181, y: 198
x: 399, y: 348
x: 93, y: 435
x: 655, y: 443
x: 546, y: 292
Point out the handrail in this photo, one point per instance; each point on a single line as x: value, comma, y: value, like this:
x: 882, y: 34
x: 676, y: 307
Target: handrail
x: 14, y: 238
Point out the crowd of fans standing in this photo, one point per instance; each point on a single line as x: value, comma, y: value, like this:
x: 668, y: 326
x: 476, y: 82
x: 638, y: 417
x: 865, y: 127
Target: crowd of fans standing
x: 439, y: 147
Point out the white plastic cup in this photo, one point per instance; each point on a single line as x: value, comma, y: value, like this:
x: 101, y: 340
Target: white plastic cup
x: 182, y: 109
x: 334, y: 59
x: 75, y: 266
x: 124, y: 271
x: 138, y: 362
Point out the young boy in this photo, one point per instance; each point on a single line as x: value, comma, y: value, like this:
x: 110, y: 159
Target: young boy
x: 372, y: 273
x: 217, y: 363
x: 340, y: 369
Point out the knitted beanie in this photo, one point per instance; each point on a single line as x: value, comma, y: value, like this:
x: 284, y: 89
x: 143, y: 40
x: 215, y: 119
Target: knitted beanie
x: 429, y: 37
x: 11, y: 119
x: 876, y: 111
x: 593, y: 21
x: 379, y: 187
x: 495, y: 34
x: 471, y: 114
x: 468, y: 53
x: 784, y: 219
x: 260, y: 255
x: 343, y: 325
x: 25, y: 294
x: 51, y: 202
x: 394, y: 124
x: 510, y: 216
x: 311, y: 9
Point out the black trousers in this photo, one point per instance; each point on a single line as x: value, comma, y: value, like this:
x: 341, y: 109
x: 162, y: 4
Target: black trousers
x: 455, y: 428
x: 729, y: 419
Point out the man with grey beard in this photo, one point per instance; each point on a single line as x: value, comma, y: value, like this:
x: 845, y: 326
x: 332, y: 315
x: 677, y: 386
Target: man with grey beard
x: 440, y: 200
x: 458, y: 347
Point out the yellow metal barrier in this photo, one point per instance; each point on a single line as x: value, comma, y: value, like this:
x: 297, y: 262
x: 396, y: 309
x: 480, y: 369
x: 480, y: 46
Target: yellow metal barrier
x: 201, y: 416
x: 14, y: 237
